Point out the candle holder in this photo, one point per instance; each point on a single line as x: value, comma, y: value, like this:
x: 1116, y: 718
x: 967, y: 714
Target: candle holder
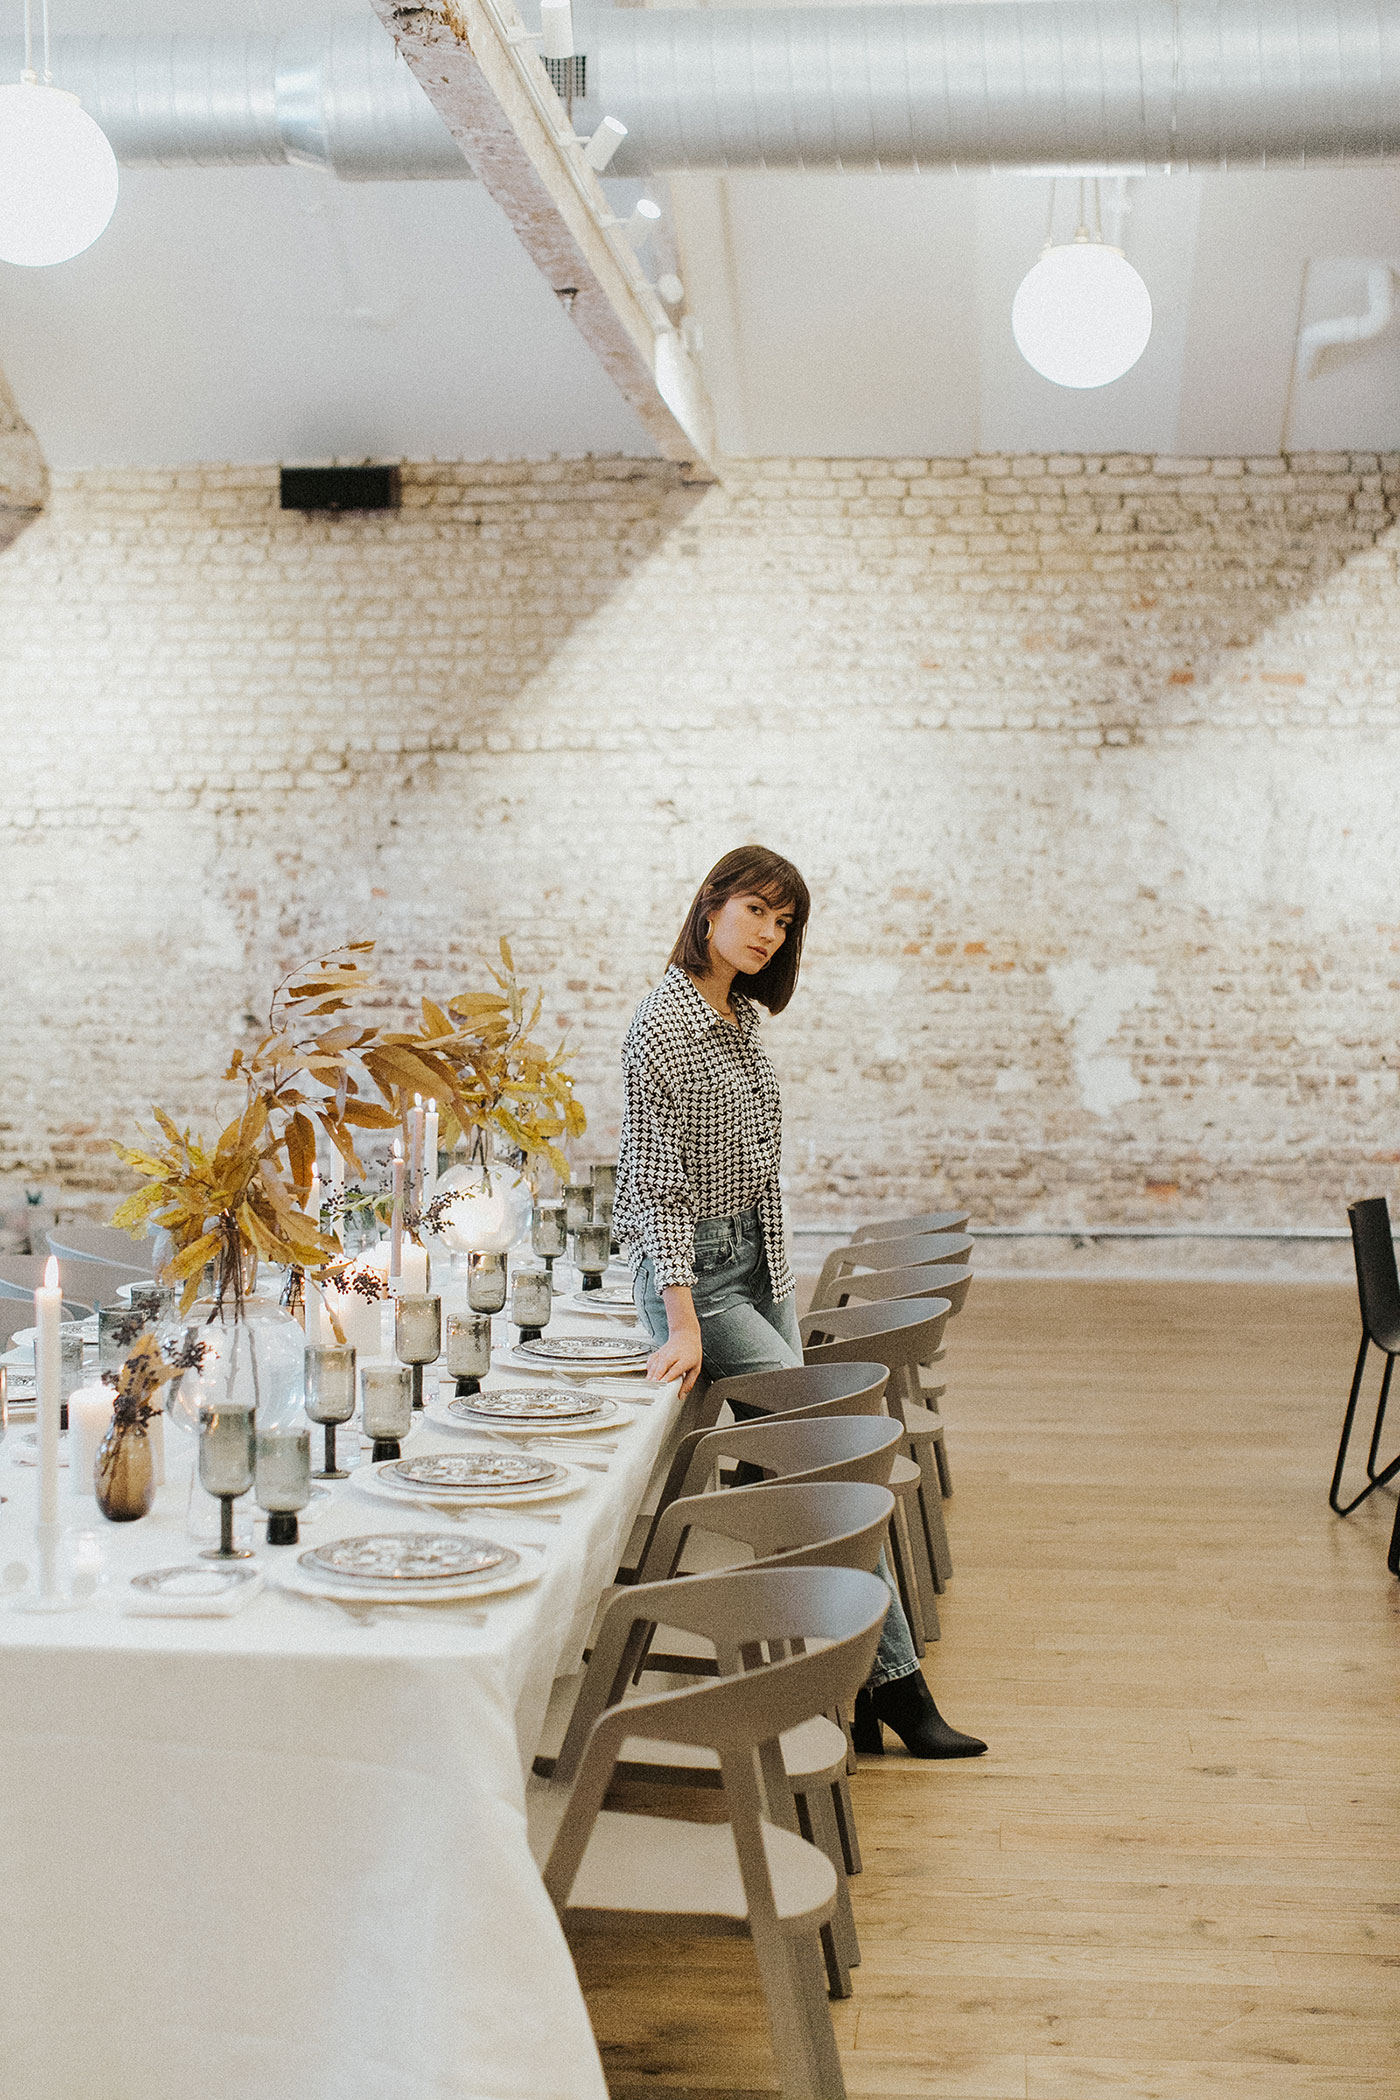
x: 156, y: 1301
x: 418, y: 1337
x: 282, y: 1478
x: 549, y: 1235
x: 386, y: 1407
x: 531, y: 1303
x: 592, y: 1250
x: 330, y: 1395
x: 226, y: 1469
x: 486, y: 1282
x: 469, y: 1350
x: 119, y: 1328
x: 71, y: 1375
x: 604, y: 1183
x: 578, y: 1204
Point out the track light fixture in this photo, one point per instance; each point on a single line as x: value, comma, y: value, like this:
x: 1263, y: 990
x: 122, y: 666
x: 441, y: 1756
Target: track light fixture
x: 604, y: 143
x: 556, y: 29
x: 645, y: 214
x: 670, y: 289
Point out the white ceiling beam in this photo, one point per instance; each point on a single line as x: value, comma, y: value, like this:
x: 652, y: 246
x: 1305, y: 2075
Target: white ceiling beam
x: 493, y: 94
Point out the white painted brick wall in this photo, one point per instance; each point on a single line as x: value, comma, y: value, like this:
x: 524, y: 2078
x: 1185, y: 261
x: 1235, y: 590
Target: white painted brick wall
x: 1091, y: 764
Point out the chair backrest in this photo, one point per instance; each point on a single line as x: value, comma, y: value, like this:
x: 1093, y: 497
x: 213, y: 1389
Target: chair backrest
x: 85, y: 1285
x: 934, y: 1280
x: 803, y: 1389
x: 743, y: 1613
x: 901, y: 1333
x: 15, y: 1313
x: 886, y: 1254
x: 815, y: 1447
x: 102, y: 1243
x: 904, y: 1228
x: 1377, y: 1285
x: 798, y: 1523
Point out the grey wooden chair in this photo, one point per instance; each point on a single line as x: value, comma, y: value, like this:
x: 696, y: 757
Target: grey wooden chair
x: 901, y: 1334
x: 922, y: 1247
x: 107, y: 1244
x: 903, y: 1228
x: 85, y: 1285
x: 814, y: 1524
x: 753, y: 1874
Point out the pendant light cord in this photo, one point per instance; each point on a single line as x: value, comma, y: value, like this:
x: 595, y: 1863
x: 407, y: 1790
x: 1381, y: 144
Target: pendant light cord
x: 48, y: 71
x: 29, y: 72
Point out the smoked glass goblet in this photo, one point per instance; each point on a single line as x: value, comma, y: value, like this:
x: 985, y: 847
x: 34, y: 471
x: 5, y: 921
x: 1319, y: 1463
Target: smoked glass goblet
x: 386, y: 1407
x: 282, y: 1480
x: 468, y: 1350
x: 531, y: 1303
x: 226, y: 1469
x: 486, y: 1282
x: 330, y: 1395
x: 592, y: 1248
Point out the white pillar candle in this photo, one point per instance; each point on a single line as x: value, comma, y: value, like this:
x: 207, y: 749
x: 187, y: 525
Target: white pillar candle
x: 430, y: 1153
x: 48, y: 1368
x: 396, y: 1215
x: 89, y: 1419
x: 359, y: 1321
x: 412, y: 1279
x: 415, y: 1153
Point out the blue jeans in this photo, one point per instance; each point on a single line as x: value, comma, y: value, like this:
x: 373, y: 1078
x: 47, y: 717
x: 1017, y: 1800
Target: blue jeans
x: 744, y: 1328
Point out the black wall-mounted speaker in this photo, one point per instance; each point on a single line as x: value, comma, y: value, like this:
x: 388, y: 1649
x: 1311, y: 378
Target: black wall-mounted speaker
x: 340, y: 488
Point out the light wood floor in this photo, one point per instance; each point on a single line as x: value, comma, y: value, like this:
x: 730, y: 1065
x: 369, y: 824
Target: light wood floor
x: 1177, y: 1874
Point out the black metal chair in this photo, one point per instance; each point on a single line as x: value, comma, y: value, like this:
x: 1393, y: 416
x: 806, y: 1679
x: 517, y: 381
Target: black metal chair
x: 1378, y: 1288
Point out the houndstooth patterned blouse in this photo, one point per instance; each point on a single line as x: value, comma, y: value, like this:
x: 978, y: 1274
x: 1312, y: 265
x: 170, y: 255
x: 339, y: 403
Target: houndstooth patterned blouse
x: 701, y: 1131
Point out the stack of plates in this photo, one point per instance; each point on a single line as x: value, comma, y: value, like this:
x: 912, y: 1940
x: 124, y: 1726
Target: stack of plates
x: 408, y: 1567
x: 527, y: 1410
x: 586, y: 1355
x: 612, y: 1298
x: 474, y: 1477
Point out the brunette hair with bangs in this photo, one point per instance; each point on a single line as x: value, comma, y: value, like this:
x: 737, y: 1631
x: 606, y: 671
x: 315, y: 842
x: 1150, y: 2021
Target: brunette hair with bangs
x: 749, y: 871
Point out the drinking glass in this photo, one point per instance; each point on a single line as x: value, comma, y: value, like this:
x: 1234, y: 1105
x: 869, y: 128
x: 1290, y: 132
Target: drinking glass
x: 386, y: 1407
x: 604, y: 1180
x: 70, y: 1372
x: 468, y: 1350
x: 531, y: 1303
x: 119, y: 1329
x: 330, y: 1395
x: 592, y: 1249
x: 578, y: 1204
x: 549, y: 1235
x: 486, y: 1282
x: 282, y: 1480
x: 226, y: 1469
x: 418, y: 1337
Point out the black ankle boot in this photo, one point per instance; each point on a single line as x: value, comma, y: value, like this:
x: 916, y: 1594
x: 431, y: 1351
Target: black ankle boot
x: 907, y: 1707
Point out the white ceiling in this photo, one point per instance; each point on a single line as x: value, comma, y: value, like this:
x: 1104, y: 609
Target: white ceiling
x: 273, y: 314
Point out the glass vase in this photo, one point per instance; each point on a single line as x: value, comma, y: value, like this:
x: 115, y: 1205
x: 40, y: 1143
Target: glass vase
x: 124, y: 1478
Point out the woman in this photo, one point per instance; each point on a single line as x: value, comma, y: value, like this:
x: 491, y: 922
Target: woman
x: 698, y: 1206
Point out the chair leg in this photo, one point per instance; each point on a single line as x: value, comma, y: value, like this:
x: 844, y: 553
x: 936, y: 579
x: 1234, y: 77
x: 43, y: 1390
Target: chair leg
x: 804, y: 2044
x: 1374, y: 1479
x: 902, y: 1561
x: 846, y: 1825
x: 840, y: 1945
x: 940, y: 1459
x: 1393, y: 1559
x: 930, y: 1500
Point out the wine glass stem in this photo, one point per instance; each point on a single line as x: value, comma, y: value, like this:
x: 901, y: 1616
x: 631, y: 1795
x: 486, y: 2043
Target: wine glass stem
x: 330, y: 1429
x: 225, y: 1525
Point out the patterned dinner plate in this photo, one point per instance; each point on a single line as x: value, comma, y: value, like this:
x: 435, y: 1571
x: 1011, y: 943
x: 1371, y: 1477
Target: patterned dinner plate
x: 455, y: 1470
x: 607, y: 1300
x: 517, y: 1574
x: 380, y: 1482
x: 409, y: 1557
x: 528, y: 1403
x: 574, y: 1349
x: 196, y: 1579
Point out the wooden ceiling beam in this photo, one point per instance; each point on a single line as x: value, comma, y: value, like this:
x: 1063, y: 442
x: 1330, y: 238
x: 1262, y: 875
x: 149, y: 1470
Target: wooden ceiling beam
x: 492, y: 92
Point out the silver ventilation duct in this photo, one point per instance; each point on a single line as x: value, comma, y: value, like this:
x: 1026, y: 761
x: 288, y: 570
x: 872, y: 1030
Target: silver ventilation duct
x: 1000, y: 83
x: 966, y: 83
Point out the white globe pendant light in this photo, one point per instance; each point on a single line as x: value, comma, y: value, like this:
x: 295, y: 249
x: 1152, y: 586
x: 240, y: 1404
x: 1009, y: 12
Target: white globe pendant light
x: 1082, y: 315
x: 58, y: 175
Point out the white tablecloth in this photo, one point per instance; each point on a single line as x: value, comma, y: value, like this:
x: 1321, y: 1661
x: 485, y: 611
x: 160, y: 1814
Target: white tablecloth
x: 284, y: 1853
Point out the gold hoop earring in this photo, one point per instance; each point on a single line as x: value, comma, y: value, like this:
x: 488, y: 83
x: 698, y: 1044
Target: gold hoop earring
x: 709, y: 928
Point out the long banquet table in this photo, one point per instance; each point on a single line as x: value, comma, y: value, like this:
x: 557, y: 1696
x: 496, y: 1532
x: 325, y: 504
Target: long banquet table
x: 284, y: 1853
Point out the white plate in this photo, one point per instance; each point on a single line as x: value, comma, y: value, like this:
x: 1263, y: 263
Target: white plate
x: 529, y: 1569
x: 610, y: 1417
x: 369, y: 1478
x: 543, y: 1372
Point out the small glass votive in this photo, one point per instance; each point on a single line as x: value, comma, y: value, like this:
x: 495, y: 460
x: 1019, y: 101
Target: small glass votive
x: 119, y: 1329
x: 226, y: 1469
x: 486, y: 1282
x: 531, y: 1302
x: 70, y: 1372
x: 282, y: 1481
x: 592, y: 1249
x: 468, y: 1350
x: 330, y: 1395
x: 157, y: 1301
x: 578, y: 1204
x: 418, y: 1337
x: 386, y: 1407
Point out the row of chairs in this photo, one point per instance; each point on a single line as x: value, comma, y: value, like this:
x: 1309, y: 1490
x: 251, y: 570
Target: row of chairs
x: 93, y: 1261
x: 1378, y: 1288
x: 834, y: 1462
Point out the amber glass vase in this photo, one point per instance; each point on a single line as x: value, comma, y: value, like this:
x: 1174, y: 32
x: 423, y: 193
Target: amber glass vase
x: 124, y: 1477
